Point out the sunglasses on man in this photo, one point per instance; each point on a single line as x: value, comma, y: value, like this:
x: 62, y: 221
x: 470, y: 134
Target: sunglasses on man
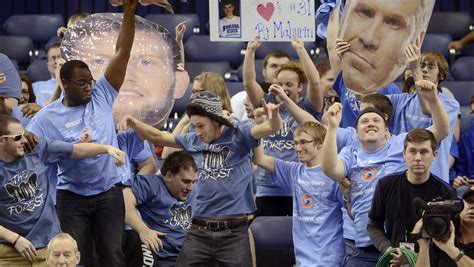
x: 15, y: 137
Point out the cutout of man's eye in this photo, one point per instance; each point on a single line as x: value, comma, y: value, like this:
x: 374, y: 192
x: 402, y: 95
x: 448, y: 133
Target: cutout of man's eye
x: 145, y: 62
x: 100, y: 61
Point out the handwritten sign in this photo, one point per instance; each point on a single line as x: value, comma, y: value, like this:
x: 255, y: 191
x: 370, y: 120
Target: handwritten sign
x: 270, y: 20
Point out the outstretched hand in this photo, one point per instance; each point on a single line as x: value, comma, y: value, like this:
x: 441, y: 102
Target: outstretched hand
x: 126, y: 123
x: 271, y: 109
x: 413, y: 54
x: 118, y: 154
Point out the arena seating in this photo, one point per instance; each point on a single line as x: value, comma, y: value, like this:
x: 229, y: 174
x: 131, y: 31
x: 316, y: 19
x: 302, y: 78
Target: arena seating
x: 170, y: 22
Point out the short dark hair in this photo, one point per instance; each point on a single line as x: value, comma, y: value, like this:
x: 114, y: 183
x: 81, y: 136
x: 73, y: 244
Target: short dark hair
x: 277, y: 54
x: 68, y: 68
x: 27, y: 80
x: 228, y: 2
x: 177, y: 161
x: 382, y: 103
x: 420, y: 135
x: 5, y: 121
x: 323, y: 68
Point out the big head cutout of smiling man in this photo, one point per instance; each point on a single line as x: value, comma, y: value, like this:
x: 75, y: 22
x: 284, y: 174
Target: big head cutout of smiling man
x: 378, y: 32
x: 152, y: 81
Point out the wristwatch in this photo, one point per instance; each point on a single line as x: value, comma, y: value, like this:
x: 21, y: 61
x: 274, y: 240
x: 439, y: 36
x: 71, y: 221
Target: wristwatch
x: 460, y: 255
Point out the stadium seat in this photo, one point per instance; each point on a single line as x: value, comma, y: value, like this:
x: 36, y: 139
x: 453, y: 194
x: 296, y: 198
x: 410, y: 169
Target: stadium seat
x: 437, y: 42
x: 234, y: 87
x: 462, y: 90
x: 463, y: 68
x: 170, y: 21
x: 199, y: 48
x: 38, y: 71
x: 17, y: 48
x: 468, y: 50
x: 258, y: 71
x: 196, y: 68
x: 268, y: 47
x: 455, y: 24
x: 40, y: 28
x: 273, y: 241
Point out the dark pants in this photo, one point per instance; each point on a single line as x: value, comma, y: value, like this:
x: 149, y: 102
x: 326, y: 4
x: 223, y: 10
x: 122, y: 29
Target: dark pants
x: 227, y: 247
x: 99, y: 218
x: 137, y: 254
x: 274, y: 206
x: 360, y: 257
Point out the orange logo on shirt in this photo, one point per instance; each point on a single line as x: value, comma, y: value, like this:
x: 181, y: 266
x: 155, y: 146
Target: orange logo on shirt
x: 369, y: 174
x: 307, y: 200
x: 86, y: 135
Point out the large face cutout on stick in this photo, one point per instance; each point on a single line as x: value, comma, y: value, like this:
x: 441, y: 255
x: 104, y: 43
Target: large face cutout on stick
x: 378, y: 32
x: 152, y: 81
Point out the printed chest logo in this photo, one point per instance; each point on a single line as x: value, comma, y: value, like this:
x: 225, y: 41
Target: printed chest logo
x: 180, y: 216
x: 24, y: 194
x: 369, y: 174
x: 86, y: 135
x: 307, y: 200
x: 213, y: 163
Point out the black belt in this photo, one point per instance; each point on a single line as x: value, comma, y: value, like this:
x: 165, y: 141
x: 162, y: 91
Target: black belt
x: 220, y: 224
x: 369, y: 249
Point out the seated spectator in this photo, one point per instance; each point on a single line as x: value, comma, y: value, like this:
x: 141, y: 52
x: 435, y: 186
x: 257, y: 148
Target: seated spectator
x: 464, y: 165
x: 63, y: 251
x: 44, y: 89
x: 460, y: 44
x: 27, y: 93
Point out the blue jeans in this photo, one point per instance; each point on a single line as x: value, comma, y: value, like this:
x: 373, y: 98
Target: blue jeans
x: 360, y: 257
x: 203, y: 247
x: 100, y: 218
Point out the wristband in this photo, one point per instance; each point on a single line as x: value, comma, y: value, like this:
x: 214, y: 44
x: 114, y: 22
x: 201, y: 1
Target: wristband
x: 16, y: 240
x: 460, y: 255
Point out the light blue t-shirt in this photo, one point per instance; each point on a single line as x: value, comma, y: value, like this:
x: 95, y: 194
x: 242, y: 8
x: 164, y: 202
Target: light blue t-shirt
x: 317, y: 217
x: 18, y: 114
x: 91, y: 122
x: 407, y: 115
x: 43, y: 91
x: 349, y: 102
x: 26, y: 205
x: 280, y: 146
x: 136, y: 151
x: 162, y: 212
x: 224, y: 178
x: 364, y: 169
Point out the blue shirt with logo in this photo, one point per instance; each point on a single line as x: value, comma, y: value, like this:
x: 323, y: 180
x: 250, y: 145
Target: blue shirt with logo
x: 317, y: 217
x: 26, y: 205
x: 407, y: 115
x: 280, y: 146
x: 364, y: 169
x: 91, y: 122
x: 162, y: 212
x: 224, y: 178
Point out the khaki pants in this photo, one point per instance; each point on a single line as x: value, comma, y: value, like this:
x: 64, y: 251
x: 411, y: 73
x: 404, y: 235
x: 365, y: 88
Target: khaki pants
x: 10, y: 257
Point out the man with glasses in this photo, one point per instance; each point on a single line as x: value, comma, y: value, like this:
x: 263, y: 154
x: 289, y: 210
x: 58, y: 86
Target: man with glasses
x: 89, y: 199
x: 44, y: 89
x: 28, y: 219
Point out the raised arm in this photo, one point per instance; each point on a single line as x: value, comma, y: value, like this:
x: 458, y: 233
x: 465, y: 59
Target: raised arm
x: 263, y: 161
x: 413, y: 56
x: 115, y: 71
x: 181, y: 128
x: 299, y: 114
x: 459, y: 45
x: 253, y: 89
x: 331, y: 164
x: 331, y: 40
x: 86, y: 150
x: 314, y: 92
x: 428, y: 91
x: 148, y: 132
x: 270, y: 126
x: 180, y: 29
x: 148, y: 236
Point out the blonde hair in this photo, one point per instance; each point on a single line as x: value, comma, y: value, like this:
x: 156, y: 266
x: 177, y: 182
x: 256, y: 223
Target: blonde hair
x: 214, y: 83
x: 314, y: 129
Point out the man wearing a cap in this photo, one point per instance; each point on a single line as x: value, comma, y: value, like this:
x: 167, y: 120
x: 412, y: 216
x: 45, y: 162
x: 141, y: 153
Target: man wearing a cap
x: 376, y: 156
x: 458, y: 250
x: 10, y: 83
x: 222, y: 151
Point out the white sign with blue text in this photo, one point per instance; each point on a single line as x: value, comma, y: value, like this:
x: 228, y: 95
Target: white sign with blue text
x: 269, y: 20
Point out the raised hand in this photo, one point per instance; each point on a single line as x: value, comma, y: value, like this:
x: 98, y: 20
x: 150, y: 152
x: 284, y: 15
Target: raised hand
x: 61, y: 32
x: 118, y: 154
x: 162, y: 3
x: 180, y: 29
x: 271, y: 109
x: 341, y: 47
x: 254, y: 44
x: 296, y: 43
x: 427, y: 90
x: 413, y: 54
x: 334, y: 115
x: 278, y: 92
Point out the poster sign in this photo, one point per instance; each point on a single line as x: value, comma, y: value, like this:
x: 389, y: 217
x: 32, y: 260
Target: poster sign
x: 270, y: 20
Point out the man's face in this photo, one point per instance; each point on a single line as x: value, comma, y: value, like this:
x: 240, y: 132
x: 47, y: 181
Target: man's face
x: 206, y: 129
x: 290, y: 83
x: 79, y: 87
x: 378, y: 32
x: 418, y: 157
x: 181, y: 184
x: 430, y: 71
x: 229, y: 10
x: 54, y: 53
x: 273, y: 64
x: 249, y: 108
x: 467, y: 214
x: 14, y: 144
x: 63, y: 253
x: 25, y: 93
x: 305, y: 147
x: 327, y: 81
x: 371, y: 129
